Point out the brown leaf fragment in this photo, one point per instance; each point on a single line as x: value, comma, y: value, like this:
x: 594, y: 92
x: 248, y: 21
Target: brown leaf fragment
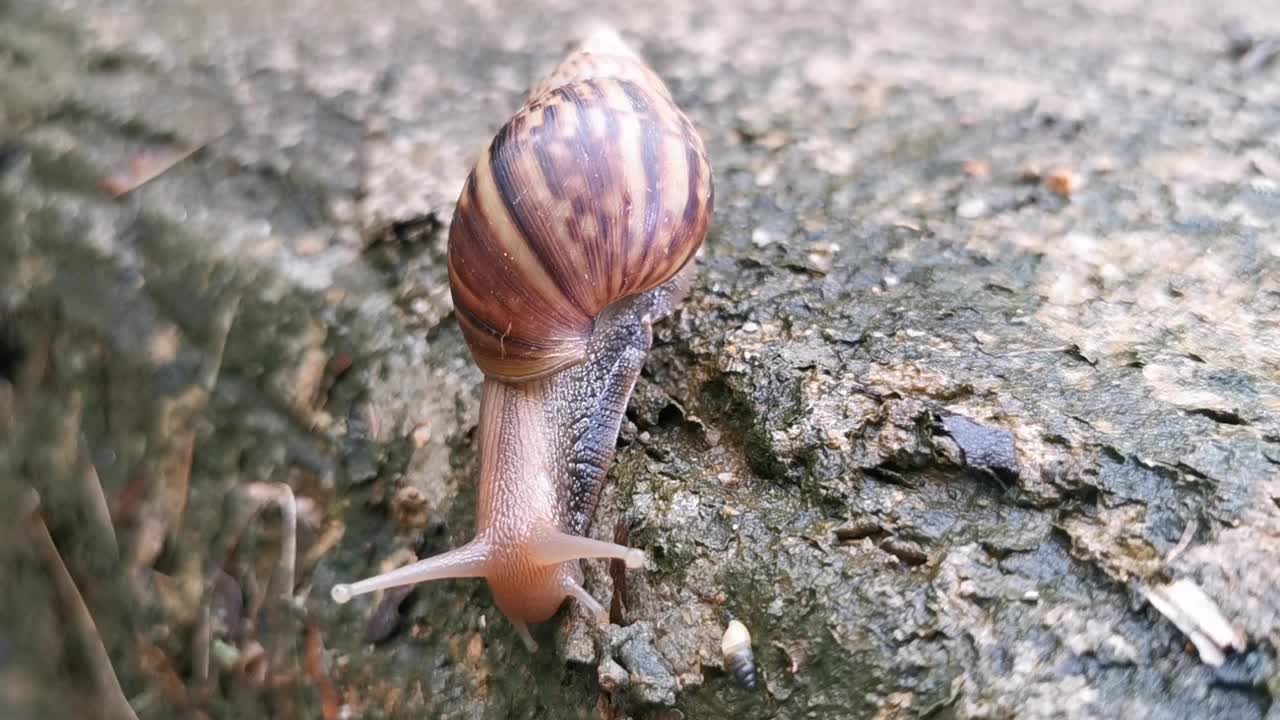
x: 159, y: 668
x: 338, y: 365
x: 618, y: 573
x: 330, y: 699
x: 144, y: 168
x: 328, y: 539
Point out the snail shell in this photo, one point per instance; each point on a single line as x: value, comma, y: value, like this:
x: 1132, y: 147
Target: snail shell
x: 735, y: 646
x: 597, y: 189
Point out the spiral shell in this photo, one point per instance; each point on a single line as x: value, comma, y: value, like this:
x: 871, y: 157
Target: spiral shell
x: 597, y: 189
x: 735, y: 646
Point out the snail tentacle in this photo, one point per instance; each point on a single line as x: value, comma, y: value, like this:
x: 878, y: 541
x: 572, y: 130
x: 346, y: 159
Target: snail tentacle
x: 575, y: 590
x: 470, y: 560
x: 522, y: 630
x: 554, y: 547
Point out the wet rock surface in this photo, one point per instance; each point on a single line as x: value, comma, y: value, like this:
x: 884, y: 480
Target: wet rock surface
x: 983, y: 346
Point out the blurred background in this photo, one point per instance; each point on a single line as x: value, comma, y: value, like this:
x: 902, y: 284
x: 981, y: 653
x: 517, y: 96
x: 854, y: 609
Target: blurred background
x: 974, y: 409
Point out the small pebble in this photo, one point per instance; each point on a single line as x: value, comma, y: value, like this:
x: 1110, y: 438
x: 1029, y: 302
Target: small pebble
x: 971, y: 208
x: 1062, y: 182
x: 976, y: 169
x: 310, y: 244
x: 421, y: 434
x: 612, y: 676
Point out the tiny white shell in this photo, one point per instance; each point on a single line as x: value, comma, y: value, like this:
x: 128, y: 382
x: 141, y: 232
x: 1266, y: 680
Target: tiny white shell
x: 735, y: 645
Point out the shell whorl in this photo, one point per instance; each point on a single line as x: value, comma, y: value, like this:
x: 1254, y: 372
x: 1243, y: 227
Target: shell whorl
x: 735, y: 647
x: 597, y: 189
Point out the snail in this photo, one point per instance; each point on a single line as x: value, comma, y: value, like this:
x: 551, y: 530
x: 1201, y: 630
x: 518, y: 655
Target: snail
x: 735, y: 647
x: 575, y: 232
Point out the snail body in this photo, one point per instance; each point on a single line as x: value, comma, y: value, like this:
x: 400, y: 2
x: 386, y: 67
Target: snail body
x: 575, y: 231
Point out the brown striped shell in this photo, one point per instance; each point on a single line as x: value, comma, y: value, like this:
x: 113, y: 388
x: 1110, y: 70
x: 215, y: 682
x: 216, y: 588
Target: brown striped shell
x: 597, y: 189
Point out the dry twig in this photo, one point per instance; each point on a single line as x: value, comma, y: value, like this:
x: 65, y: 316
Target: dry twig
x: 109, y: 692
x: 331, y: 700
x: 148, y: 166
